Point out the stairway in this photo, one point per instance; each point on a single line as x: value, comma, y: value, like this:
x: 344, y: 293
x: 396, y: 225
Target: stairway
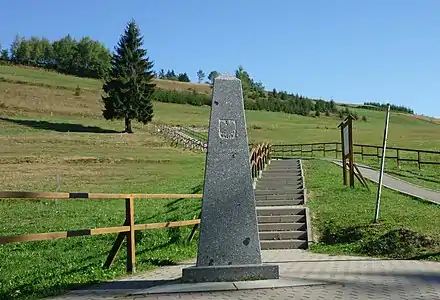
x: 280, y: 196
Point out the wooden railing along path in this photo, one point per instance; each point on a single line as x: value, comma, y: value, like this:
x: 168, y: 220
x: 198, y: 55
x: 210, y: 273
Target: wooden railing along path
x: 186, y: 137
x: 259, y: 157
x: 179, y: 137
x: 361, y: 150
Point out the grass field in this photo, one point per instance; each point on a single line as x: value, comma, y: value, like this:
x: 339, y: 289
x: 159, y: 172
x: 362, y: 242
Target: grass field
x: 46, y: 130
x: 89, y: 162
x: 408, y: 228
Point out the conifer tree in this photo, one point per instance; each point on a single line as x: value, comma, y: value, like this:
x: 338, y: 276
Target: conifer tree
x: 128, y: 86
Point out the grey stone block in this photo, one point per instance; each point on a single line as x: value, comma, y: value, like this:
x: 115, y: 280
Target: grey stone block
x: 282, y: 219
x: 281, y: 226
x: 284, y: 244
x: 277, y: 211
x: 279, y: 202
x: 283, y: 235
x: 230, y: 273
x: 279, y: 197
x: 281, y: 193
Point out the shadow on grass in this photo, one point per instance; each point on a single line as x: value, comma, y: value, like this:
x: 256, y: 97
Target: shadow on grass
x: 114, y: 288
x: 28, y: 290
x: 332, y: 235
x: 158, y: 262
x: 195, y: 190
x: 59, y: 127
x: 425, y: 256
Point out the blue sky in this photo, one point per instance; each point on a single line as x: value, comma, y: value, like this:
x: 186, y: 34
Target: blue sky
x: 353, y: 51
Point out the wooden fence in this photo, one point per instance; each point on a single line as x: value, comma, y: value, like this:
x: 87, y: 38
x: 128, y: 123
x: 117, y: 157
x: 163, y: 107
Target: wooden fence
x: 187, y: 137
x: 201, y: 136
x: 333, y: 149
x: 127, y: 230
x: 259, y: 157
x: 179, y: 137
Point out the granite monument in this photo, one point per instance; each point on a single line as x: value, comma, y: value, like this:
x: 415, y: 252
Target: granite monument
x: 229, y: 245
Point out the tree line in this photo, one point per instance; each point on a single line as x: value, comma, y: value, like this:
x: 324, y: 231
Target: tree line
x: 381, y: 106
x: 83, y: 58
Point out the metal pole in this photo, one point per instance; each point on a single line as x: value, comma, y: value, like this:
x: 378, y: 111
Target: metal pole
x: 382, y: 165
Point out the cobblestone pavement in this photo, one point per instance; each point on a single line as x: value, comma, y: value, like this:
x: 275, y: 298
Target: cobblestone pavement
x: 350, y: 278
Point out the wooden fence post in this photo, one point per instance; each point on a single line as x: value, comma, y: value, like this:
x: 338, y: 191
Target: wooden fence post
x: 362, y: 152
x: 324, y: 148
x: 194, y: 229
x: 377, y: 151
x: 312, y: 150
x: 301, y: 150
x: 398, y: 159
x: 131, y: 256
x: 336, y: 150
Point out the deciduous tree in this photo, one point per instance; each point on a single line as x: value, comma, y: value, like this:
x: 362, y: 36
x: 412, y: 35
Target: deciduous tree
x: 200, y: 75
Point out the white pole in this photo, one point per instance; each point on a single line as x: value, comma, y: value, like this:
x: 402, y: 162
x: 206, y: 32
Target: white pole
x: 382, y: 164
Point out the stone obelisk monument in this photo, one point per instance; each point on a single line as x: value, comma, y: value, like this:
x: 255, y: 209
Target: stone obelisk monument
x: 229, y: 244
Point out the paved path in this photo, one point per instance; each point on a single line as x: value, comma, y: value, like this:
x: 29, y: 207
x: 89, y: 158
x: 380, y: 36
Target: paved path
x: 398, y: 184
x: 350, y: 278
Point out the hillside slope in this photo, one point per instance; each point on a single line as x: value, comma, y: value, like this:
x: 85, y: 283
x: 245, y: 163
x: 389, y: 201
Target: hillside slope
x: 44, y: 95
x: 50, y: 78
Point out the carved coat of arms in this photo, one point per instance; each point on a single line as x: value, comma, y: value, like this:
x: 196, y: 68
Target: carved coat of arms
x: 227, y: 129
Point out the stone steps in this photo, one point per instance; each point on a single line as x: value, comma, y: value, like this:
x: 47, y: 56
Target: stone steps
x: 281, y: 186
x: 265, y: 187
x: 280, y: 211
x: 270, y: 197
x: 279, y: 198
x: 281, y: 226
x: 274, y: 192
x: 282, y: 219
x: 279, y: 202
x: 282, y: 235
x: 283, y: 181
x: 283, y: 244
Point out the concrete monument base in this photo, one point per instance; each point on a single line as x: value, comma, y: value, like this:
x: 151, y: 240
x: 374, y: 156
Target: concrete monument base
x: 230, y: 273
x: 228, y: 286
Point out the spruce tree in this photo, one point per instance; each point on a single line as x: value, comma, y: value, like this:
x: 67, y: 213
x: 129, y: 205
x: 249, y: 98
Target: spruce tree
x: 129, y: 86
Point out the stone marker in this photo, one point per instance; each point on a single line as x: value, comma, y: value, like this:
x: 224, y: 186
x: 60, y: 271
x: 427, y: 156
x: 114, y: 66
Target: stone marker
x: 229, y: 244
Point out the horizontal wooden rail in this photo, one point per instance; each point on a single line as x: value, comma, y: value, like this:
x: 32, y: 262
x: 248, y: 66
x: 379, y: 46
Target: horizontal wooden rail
x: 166, y: 224
x: 60, y: 235
x: 313, y: 148
x: 96, y: 231
x: 101, y: 196
x: 126, y: 231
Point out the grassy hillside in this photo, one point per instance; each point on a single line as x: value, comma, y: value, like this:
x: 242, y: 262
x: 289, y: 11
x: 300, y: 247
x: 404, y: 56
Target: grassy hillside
x: 27, y: 100
x: 50, y: 78
x: 46, y: 130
